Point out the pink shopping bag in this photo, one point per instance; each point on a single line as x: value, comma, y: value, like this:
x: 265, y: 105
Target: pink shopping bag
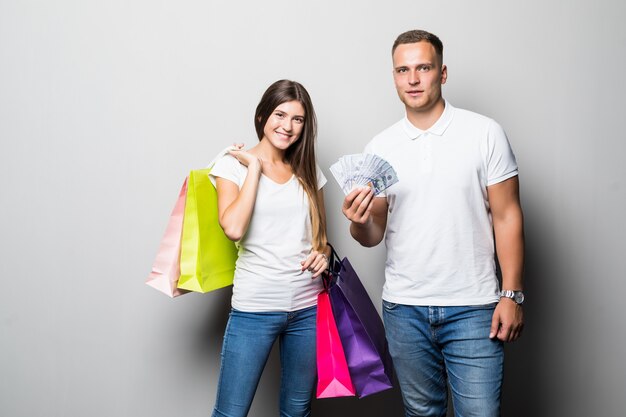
x: 333, y: 377
x: 166, y: 267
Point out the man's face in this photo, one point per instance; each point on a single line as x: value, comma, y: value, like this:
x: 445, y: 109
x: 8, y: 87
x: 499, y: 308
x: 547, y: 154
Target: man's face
x: 418, y: 75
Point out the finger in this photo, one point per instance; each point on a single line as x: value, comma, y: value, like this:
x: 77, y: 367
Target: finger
x: 369, y: 209
x: 321, y: 267
x: 514, y: 336
x: 309, y: 260
x: 320, y: 264
x: 317, y: 260
x: 365, y: 203
x: 505, y: 333
x: 517, y: 333
x: 359, y: 205
x: 495, y: 325
x: 347, y: 202
x: 357, y: 195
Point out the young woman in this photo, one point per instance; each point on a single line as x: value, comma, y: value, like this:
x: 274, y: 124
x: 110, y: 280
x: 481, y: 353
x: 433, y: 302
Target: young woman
x: 271, y: 204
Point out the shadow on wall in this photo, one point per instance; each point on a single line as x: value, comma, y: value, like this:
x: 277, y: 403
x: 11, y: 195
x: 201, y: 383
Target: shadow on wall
x: 526, y: 387
x: 208, y: 338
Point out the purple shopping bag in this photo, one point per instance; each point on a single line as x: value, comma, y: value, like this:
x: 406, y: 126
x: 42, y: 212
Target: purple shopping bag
x: 361, y: 330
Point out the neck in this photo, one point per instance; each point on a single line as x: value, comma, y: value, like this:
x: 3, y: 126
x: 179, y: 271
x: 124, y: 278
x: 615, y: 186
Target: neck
x: 268, y: 153
x: 424, y: 119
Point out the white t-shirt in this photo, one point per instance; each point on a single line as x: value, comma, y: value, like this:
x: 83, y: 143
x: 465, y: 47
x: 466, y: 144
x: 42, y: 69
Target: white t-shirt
x: 268, y: 275
x: 439, y: 237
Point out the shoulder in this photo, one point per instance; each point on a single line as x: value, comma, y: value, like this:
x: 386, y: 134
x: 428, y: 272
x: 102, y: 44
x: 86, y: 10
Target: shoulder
x: 226, y: 162
x: 468, y: 118
x: 382, y: 140
x: 228, y: 167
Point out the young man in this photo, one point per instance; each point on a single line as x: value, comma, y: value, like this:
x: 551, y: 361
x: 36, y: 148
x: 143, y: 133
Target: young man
x: 445, y: 315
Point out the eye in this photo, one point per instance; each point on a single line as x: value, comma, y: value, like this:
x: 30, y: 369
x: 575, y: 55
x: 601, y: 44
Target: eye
x: 424, y: 68
x: 401, y: 70
x: 299, y: 120
x: 279, y: 114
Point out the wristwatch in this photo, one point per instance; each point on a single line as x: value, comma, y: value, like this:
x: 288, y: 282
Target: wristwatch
x: 517, y: 296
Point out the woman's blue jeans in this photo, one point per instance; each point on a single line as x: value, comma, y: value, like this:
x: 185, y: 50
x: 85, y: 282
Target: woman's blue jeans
x: 432, y: 347
x: 247, y: 344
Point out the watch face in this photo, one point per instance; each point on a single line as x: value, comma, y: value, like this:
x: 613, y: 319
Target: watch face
x: 519, y: 297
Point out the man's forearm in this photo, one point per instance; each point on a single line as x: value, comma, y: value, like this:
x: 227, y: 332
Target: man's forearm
x: 509, y: 236
x: 368, y: 234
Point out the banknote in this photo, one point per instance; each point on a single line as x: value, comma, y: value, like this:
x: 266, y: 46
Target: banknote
x: 358, y: 170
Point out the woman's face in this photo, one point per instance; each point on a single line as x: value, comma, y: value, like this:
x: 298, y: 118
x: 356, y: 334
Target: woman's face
x: 284, y: 125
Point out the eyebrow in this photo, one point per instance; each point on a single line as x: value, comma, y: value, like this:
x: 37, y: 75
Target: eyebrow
x: 284, y: 112
x: 420, y: 64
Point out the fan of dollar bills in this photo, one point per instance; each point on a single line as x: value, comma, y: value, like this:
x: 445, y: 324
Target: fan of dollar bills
x: 363, y: 169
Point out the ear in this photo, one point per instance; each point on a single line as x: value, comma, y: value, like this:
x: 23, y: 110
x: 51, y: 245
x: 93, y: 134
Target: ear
x: 444, y: 74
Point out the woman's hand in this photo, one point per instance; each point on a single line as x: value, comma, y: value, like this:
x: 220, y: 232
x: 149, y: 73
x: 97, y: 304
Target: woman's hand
x: 246, y: 158
x: 316, y: 262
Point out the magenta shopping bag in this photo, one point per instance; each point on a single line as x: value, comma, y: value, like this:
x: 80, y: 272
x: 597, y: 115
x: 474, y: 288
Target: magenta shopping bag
x: 361, y: 330
x: 333, y: 377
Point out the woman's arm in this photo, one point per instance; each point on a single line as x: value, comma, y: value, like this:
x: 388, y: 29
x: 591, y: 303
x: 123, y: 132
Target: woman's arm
x: 235, y: 206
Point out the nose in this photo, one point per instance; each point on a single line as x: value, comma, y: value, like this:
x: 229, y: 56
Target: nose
x: 287, y: 124
x: 413, y: 78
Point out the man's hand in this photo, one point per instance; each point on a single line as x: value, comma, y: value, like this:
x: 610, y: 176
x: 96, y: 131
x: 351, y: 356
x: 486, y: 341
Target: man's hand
x: 367, y: 215
x: 508, y: 321
x: 358, y: 204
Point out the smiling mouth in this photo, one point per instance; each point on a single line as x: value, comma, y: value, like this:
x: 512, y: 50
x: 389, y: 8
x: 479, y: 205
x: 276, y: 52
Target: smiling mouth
x: 283, y: 135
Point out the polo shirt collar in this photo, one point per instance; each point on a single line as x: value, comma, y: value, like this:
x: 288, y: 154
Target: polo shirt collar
x: 438, y: 128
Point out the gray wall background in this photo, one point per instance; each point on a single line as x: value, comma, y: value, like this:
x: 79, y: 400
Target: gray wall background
x: 105, y: 106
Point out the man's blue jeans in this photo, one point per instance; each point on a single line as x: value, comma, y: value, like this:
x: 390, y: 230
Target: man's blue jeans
x: 432, y: 347
x: 247, y: 344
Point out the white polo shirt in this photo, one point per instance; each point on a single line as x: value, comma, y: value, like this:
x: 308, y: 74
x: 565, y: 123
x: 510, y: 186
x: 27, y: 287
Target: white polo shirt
x: 439, y: 237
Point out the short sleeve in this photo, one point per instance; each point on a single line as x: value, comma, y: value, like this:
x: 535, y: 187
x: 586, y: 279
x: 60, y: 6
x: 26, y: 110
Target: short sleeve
x: 321, y: 179
x: 501, y: 163
x: 369, y: 148
x: 229, y: 168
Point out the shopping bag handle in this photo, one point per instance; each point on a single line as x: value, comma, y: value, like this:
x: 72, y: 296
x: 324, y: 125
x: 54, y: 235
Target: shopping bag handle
x: 329, y: 277
x: 334, y: 258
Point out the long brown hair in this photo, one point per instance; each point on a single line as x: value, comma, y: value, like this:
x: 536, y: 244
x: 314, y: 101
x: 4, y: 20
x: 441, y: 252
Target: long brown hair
x: 301, y: 154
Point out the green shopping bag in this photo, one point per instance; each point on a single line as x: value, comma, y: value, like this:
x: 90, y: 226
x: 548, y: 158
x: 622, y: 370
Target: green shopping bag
x: 207, y: 256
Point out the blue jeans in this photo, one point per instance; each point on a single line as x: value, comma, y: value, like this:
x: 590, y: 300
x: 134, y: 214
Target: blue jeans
x: 247, y: 344
x: 432, y: 347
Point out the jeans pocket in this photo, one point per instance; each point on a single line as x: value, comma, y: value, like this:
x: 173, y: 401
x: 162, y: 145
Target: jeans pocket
x: 389, y: 306
x: 489, y: 306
